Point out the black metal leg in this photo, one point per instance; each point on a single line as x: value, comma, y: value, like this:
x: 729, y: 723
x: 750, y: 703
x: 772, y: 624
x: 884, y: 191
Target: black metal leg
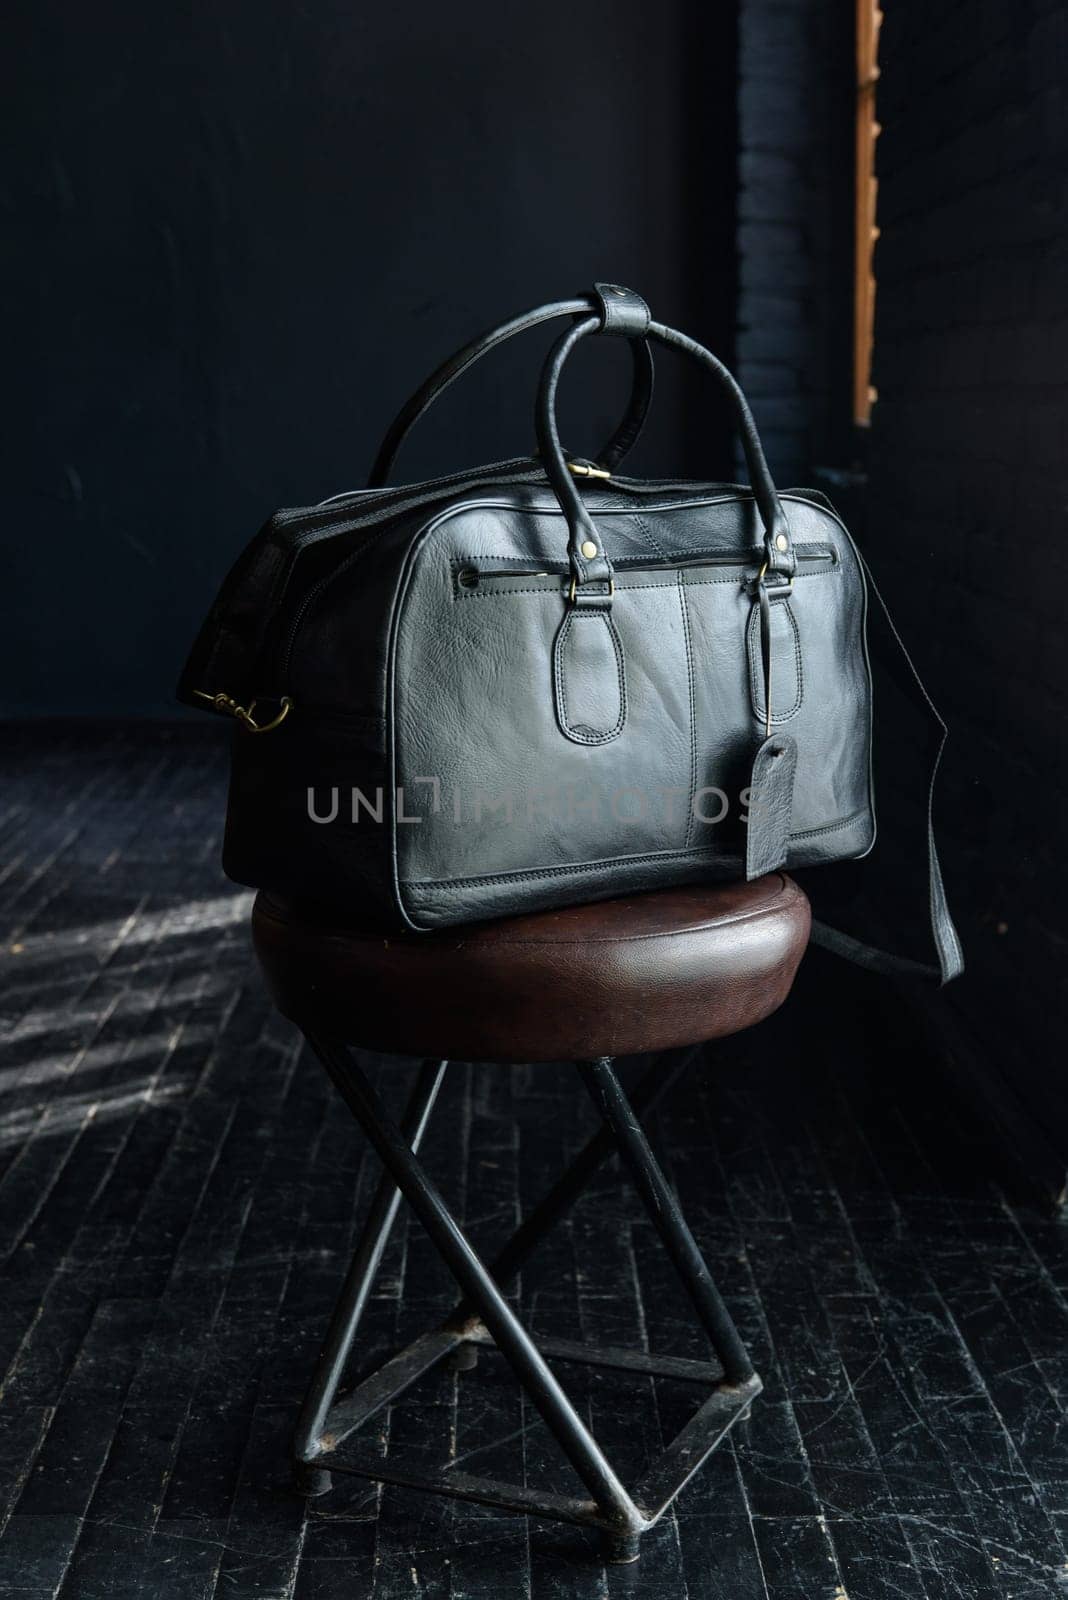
x: 654, y: 1083
x: 619, y: 1550
x: 610, y: 1498
x: 307, y: 1443
x: 485, y: 1318
x: 663, y: 1208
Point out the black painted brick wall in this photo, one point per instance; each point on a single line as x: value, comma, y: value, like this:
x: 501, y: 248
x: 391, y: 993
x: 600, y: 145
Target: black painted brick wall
x: 794, y: 228
x: 968, y: 489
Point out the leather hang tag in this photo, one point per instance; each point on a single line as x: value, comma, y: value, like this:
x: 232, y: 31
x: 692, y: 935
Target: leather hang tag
x: 771, y: 803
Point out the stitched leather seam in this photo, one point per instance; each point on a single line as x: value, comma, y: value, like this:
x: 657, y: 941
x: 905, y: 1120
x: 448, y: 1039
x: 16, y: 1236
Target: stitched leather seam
x: 579, y: 733
x: 563, y: 871
x: 771, y: 906
x: 692, y: 703
x: 614, y: 861
x: 278, y: 911
x: 793, y: 795
x: 460, y: 561
x: 621, y: 583
x: 642, y: 526
x: 753, y: 556
x: 755, y: 670
x: 832, y: 827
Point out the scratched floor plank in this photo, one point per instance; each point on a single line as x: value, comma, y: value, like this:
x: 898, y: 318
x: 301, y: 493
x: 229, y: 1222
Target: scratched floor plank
x: 180, y: 1195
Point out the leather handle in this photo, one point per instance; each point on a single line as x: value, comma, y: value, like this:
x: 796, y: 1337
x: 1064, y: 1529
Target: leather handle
x: 618, y: 446
x: 589, y: 564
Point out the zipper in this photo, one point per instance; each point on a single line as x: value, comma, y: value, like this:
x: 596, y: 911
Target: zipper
x: 316, y: 523
x: 316, y: 519
x: 472, y: 577
x: 638, y: 487
x: 308, y: 526
x: 404, y: 500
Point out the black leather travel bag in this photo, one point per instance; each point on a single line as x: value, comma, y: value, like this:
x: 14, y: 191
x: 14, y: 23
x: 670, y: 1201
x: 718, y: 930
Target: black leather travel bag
x: 541, y: 682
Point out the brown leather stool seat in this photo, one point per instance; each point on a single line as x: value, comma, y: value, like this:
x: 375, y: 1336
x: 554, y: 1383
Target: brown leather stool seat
x: 622, y: 977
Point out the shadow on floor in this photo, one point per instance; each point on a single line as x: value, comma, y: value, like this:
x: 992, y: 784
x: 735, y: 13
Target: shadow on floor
x: 179, y: 1191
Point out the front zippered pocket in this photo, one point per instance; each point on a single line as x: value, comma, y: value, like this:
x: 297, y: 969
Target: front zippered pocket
x: 746, y: 561
x: 472, y: 577
x: 319, y: 524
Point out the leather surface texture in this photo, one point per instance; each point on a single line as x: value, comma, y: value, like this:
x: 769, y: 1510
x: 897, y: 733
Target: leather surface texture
x: 625, y: 976
x: 419, y: 653
x: 498, y: 703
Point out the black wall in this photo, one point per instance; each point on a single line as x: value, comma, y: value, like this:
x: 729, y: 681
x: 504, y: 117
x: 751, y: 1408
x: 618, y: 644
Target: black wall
x: 795, y: 230
x: 969, y: 491
x: 243, y: 233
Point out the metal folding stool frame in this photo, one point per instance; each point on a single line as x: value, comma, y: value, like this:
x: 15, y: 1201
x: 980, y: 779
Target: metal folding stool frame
x: 483, y: 1317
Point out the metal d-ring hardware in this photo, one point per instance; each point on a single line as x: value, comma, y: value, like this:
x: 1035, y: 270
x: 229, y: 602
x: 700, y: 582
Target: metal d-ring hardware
x: 785, y: 587
x: 244, y: 714
x: 573, y: 590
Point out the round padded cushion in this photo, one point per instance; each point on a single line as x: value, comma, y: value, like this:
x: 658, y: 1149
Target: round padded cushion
x: 616, y: 978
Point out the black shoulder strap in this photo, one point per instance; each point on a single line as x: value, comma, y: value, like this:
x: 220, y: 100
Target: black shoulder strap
x: 947, y: 944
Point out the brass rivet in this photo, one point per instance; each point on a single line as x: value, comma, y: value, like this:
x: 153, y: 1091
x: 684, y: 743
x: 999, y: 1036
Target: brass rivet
x: 782, y: 542
x: 589, y: 549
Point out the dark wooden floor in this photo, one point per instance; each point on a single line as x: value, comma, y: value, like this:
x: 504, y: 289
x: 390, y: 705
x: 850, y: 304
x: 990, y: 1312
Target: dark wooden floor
x: 178, y: 1191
